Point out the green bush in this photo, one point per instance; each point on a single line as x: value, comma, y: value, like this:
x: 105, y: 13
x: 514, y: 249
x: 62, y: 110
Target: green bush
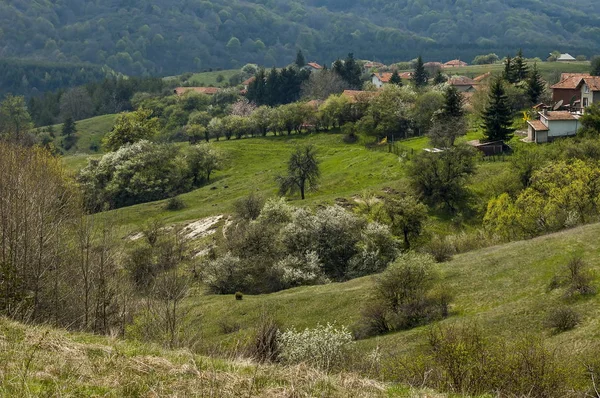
x: 239, y: 295
x: 404, y: 296
x: 174, y: 204
x: 563, y: 319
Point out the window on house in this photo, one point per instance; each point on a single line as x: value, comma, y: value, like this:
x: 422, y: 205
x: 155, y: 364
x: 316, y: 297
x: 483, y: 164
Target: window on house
x: 586, y: 89
x: 585, y: 102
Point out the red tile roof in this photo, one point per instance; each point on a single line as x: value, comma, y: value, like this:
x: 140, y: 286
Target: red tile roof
x: 593, y: 82
x: 570, y: 83
x: 537, y: 125
x: 314, y: 65
x: 384, y: 77
x: 249, y: 81
x: 564, y: 76
x: 454, y: 63
x: 406, y: 75
x: 202, y: 90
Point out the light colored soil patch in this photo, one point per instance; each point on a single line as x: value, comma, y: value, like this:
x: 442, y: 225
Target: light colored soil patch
x: 201, y: 228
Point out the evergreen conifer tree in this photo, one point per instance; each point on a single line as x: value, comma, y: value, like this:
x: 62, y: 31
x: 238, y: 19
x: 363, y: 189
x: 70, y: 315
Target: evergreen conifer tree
x: 256, y: 89
x: 439, y: 78
x: 535, y: 85
x: 420, y: 75
x: 395, y: 79
x: 453, y: 103
x: 68, y: 127
x: 509, y: 72
x: 520, y: 68
x: 352, y: 72
x: 300, y: 61
x: 497, y: 117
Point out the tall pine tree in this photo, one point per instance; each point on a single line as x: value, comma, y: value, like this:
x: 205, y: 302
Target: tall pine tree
x: 395, y: 79
x: 68, y: 127
x: 453, y: 103
x: 509, y: 70
x: 535, y: 85
x: 300, y: 61
x: 520, y: 68
x: 497, y: 117
x: 256, y: 89
x: 420, y: 74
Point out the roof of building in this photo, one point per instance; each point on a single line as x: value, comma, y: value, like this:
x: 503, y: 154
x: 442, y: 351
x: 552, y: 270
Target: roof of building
x: 559, y: 115
x: 461, y: 81
x: 455, y: 62
x: 480, y: 78
x: 570, y: 83
x: 593, y: 82
x: 564, y: 76
x: 537, y: 125
x: 249, y: 81
x: 565, y: 57
x: 406, y: 75
x: 383, y: 77
x: 314, y: 65
x: 201, y: 90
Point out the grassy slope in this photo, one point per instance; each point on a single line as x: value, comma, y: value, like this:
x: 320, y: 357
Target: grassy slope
x: 252, y: 165
x: 209, y: 79
x: 38, y: 361
x: 89, y: 131
x: 547, y: 69
x: 503, y: 288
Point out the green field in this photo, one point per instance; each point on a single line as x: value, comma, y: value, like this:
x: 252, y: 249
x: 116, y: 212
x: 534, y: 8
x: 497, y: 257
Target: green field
x: 504, y: 289
x: 252, y: 164
x: 89, y: 134
x: 550, y: 70
x: 209, y: 79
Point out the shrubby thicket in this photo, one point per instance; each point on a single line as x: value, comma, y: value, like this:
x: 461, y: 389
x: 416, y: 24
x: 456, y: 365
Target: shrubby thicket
x: 145, y: 171
x: 286, y: 246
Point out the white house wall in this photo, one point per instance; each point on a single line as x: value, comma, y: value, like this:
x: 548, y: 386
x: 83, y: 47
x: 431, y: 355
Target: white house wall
x: 562, y: 128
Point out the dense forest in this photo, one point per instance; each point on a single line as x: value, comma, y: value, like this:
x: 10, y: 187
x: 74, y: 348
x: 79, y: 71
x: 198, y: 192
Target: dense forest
x: 140, y: 37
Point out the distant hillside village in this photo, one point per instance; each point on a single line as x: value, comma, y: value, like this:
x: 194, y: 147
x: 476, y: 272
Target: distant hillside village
x: 557, y: 116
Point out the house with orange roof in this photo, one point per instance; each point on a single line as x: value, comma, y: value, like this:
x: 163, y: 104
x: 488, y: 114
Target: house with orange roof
x: 552, y: 125
x: 577, y: 88
x: 455, y: 63
x: 482, y: 78
x: 246, y: 83
x: 380, y: 79
x: 312, y: 66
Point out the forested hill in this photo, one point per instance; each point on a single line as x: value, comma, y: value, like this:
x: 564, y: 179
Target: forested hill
x: 173, y: 36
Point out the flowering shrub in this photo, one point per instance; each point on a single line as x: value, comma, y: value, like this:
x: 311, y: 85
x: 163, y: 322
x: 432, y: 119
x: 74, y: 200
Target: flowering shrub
x: 324, y: 347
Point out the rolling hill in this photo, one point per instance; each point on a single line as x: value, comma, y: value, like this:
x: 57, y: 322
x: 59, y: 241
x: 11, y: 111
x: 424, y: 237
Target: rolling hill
x: 165, y: 37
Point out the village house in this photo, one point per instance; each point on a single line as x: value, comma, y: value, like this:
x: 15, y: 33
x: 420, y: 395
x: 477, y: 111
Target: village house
x: 577, y: 89
x: 312, y: 66
x: 455, y: 63
x: 552, y: 125
x: 463, y: 84
x: 565, y: 58
x: 380, y: 79
x: 246, y: 83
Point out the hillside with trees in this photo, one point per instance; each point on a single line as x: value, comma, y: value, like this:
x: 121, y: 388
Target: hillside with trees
x: 139, y: 37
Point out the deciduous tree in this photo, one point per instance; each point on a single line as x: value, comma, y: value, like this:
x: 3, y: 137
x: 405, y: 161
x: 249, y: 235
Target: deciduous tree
x: 303, y: 172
